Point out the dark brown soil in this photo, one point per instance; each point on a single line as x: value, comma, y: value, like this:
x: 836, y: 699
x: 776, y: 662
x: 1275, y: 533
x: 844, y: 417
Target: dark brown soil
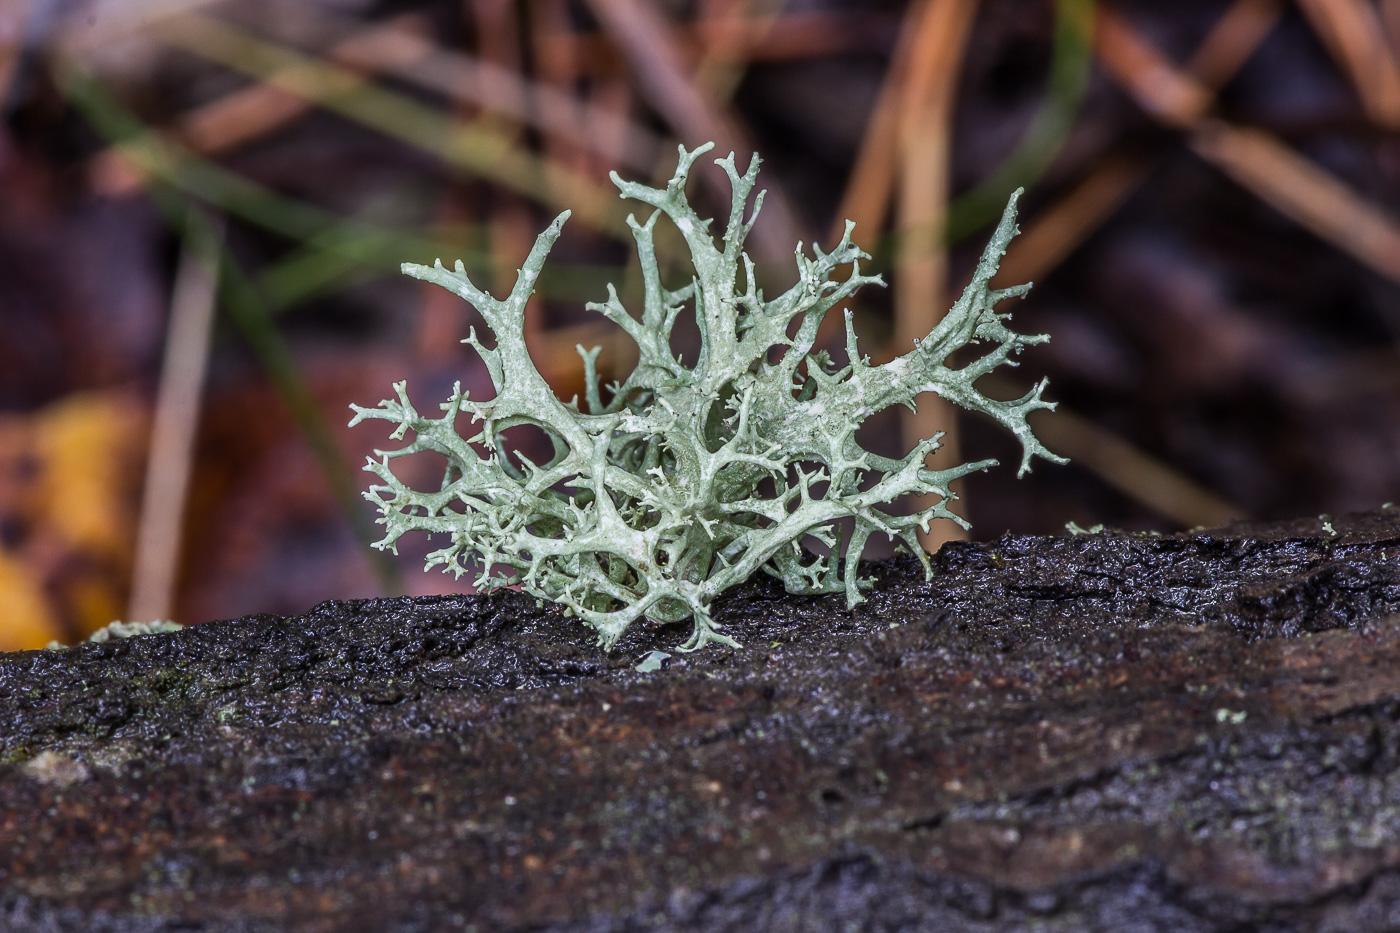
x: 1104, y: 732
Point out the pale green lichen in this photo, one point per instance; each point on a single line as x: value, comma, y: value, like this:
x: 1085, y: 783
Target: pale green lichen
x: 685, y: 480
x: 121, y: 629
x: 1074, y: 529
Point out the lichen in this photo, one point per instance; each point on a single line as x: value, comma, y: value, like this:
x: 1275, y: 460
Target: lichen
x: 682, y: 481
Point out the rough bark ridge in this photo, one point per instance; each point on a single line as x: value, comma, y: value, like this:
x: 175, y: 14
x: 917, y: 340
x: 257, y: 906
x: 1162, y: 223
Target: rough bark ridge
x: 1107, y: 732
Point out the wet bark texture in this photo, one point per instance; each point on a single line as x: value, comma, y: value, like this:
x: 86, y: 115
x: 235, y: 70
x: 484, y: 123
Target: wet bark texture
x: 1104, y: 732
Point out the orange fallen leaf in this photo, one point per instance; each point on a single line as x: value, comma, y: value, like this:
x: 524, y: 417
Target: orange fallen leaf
x: 27, y: 619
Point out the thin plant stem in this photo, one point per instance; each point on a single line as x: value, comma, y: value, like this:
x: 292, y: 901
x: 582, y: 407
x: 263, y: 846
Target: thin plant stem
x: 156, y: 565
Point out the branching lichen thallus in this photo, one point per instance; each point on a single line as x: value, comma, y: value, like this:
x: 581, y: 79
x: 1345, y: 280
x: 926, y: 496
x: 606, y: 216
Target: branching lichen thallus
x: 682, y: 481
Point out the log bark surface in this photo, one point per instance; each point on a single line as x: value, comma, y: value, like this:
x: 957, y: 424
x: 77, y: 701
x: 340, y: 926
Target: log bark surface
x: 1120, y: 732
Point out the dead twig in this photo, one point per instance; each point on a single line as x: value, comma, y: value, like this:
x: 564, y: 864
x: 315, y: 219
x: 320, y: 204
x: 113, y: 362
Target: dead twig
x: 1303, y: 191
x: 870, y: 187
x: 1353, y: 33
x: 921, y: 272
x: 1167, y: 93
x: 170, y: 461
x: 649, y: 44
x: 1232, y: 40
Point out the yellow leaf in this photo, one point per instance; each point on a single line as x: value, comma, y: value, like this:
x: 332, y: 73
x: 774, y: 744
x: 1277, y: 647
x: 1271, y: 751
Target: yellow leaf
x: 83, y: 443
x: 26, y: 618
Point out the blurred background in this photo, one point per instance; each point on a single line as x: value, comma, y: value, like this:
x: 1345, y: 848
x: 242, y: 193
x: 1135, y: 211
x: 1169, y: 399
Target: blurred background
x: 203, y: 207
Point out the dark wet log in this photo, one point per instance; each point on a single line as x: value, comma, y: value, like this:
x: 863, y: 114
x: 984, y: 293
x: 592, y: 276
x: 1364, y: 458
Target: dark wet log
x: 1105, y: 732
